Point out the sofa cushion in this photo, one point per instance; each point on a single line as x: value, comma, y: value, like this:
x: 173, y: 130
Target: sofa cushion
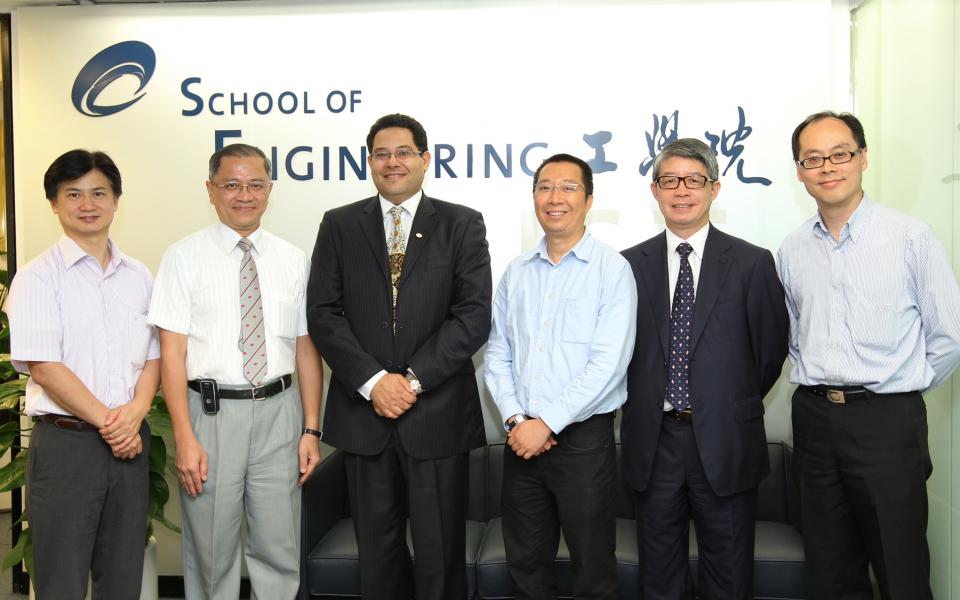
x: 335, y: 568
x: 777, y: 561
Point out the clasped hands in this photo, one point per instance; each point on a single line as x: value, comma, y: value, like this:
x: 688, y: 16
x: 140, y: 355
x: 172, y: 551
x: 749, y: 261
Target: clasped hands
x: 392, y: 396
x: 531, y: 438
x: 121, y: 430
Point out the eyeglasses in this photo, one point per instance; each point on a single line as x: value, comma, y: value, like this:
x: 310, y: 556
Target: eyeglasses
x: 257, y: 188
x: 692, y: 182
x: 402, y: 154
x: 565, y: 189
x: 837, y: 158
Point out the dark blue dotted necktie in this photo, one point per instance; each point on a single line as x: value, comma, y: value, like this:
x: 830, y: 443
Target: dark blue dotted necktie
x: 681, y: 317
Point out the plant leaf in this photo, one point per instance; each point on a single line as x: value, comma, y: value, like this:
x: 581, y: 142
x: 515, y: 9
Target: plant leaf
x: 12, y: 475
x: 20, y: 552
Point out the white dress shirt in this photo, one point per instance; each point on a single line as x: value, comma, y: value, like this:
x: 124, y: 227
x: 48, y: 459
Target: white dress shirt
x: 197, y: 294
x: 409, y: 211
x: 63, y: 307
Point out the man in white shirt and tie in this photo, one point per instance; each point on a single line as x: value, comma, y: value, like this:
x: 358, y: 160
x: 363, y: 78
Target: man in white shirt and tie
x: 230, y: 305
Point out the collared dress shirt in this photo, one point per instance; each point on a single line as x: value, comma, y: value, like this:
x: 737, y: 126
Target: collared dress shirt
x: 880, y: 308
x: 562, y: 334
x: 409, y: 211
x: 63, y: 307
x: 197, y: 294
x: 697, y: 241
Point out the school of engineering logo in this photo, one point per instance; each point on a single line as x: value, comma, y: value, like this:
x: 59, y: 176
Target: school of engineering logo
x: 126, y: 58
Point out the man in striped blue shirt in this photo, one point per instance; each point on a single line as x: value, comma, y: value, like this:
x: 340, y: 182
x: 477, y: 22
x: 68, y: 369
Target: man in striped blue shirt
x: 874, y: 322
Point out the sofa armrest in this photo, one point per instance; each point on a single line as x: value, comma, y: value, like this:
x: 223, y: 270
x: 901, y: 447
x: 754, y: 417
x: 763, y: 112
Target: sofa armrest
x: 323, y: 503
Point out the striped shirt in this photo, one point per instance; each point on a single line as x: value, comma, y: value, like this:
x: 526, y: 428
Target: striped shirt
x: 879, y: 308
x: 197, y: 293
x: 63, y: 307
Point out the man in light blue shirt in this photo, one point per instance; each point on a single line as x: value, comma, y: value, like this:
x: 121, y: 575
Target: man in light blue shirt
x: 563, y: 332
x: 874, y: 322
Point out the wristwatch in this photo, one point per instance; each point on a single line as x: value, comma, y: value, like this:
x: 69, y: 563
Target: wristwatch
x: 414, y: 382
x: 516, y: 420
x: 319, y: 434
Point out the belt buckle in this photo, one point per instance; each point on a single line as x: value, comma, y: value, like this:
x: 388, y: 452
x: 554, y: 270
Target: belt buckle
x: 836, y: 396
x: 263, y: 391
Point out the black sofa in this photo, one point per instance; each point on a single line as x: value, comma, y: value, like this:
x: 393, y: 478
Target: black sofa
x: 329, y: 565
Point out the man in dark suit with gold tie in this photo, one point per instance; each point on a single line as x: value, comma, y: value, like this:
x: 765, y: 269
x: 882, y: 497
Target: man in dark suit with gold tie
x: 398, y: 302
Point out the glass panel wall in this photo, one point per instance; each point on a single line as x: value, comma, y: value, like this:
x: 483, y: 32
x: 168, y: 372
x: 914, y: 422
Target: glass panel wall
x: 906, y: 86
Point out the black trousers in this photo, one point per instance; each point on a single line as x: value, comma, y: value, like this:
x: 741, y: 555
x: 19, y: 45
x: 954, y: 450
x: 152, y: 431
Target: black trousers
x: 725, y: 526
x: 385, y: 490
x: 862, y: 469
x: 88, y: 514
x: 571, y: 488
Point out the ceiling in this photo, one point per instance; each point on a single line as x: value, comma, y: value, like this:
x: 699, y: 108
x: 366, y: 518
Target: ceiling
x: 10, y: 4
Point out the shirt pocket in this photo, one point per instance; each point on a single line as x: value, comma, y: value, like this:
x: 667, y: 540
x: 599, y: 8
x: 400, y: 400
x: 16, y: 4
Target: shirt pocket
x: 282, y: 314
x: 139, y: 335
x: 579, y: 321
x: 874, y: 311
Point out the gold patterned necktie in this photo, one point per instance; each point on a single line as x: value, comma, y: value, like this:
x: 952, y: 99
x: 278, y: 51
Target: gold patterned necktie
x: 396, y: 246
x: 252, y: 341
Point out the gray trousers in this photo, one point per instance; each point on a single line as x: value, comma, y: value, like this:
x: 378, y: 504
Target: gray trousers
x: 253, y: 468
x: 87, y: 513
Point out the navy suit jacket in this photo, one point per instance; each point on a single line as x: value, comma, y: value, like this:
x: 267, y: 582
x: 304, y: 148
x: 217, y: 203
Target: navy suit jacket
x: 738, y: 345
x: 443, y: 318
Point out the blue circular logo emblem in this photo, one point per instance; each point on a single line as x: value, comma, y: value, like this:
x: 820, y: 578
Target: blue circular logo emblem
x: 126, y: 58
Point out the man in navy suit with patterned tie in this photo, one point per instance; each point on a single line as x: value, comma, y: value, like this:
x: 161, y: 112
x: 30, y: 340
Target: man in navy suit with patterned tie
x: 711, y: 340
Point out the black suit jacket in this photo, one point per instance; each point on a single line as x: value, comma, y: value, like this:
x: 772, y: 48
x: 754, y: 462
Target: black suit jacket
x: 443, y: 318
x: 738, y: 345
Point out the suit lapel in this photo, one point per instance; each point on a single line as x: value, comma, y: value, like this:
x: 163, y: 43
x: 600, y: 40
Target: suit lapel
x: 657, y: 286
x: 420, y: 229
x: 713, y: 271
x: 371, y: 222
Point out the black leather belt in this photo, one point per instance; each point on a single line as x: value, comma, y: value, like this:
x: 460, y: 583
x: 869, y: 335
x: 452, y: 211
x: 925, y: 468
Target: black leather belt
x: 67, y: 422
x: 249, y: 393
x: 684, y: 417
x: 841, y: 394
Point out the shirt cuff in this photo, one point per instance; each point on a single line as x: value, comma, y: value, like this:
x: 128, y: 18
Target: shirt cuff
x: 366, y: 389
x: 556, y: 418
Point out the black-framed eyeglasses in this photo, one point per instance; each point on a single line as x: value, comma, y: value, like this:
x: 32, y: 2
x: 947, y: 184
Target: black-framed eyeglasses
x: 257, y: 188
x: 672, y: 182
x: 565, y: 189
x: 402, y: 154
x: 837, y: 158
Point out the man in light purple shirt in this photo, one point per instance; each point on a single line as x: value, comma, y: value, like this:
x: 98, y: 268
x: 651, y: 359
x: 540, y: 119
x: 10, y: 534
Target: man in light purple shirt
x: 78, y: 328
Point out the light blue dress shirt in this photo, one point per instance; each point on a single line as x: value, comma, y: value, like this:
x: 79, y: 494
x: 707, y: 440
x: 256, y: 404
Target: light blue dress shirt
x: 879, y: 308
x: 562, y: 334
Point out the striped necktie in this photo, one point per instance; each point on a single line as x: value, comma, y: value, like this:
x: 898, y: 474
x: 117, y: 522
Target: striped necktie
x: 252, y: 342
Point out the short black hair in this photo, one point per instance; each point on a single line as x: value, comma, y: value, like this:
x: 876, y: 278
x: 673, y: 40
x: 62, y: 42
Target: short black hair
x: 77, y: 163
x: 856, y: 128
x: 585, y: 170
x: 403, y: 122
x: 237, y: 151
